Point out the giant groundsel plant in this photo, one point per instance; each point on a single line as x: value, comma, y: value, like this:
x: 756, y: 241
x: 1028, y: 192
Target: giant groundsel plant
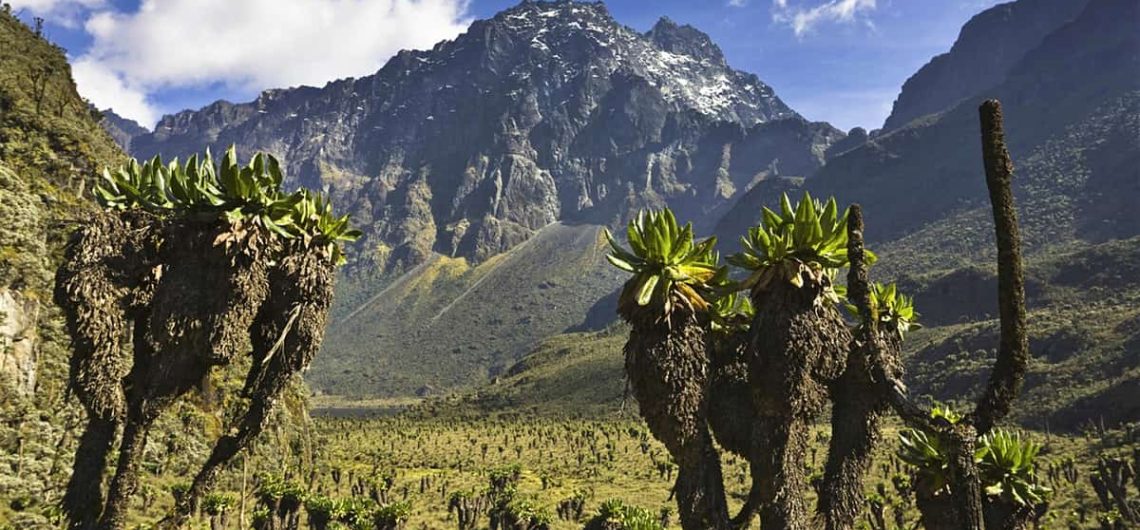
x: 809, y: 239
x: 758, y: 374
x: 195, y: 264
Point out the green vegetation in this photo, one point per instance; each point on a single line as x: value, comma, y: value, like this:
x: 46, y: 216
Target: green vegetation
x: 427, y: 465
x: 776, y: 376
x: 1007, y: 462
x: 615, y: 514
x: 48, y: 134
x: 250, y: 194
x: 50, y: 149
x: 668, y: 267
x: 895, y: 310
x: 809, y: 238
x: 199, y: 266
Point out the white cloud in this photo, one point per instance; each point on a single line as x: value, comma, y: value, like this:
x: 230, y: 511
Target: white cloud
x: 250, y: 45
x: 804, y: 20
x: 66, y: 13
x: 106, y: 89
x: 737, y: 3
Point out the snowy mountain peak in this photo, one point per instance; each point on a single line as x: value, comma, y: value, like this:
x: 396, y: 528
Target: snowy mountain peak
x: 579, y: 39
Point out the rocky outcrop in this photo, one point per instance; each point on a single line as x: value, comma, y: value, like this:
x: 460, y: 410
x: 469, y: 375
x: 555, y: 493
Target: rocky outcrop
x: 24, y: 271
x: 19, y: 318
x: 122, y: 130
x: 548, y: 111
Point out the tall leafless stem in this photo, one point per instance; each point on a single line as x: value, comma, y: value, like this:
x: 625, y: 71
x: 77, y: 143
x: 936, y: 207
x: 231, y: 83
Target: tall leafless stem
x: 1013, y: 348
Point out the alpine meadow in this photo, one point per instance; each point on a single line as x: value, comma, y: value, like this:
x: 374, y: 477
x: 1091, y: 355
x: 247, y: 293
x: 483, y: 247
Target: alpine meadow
x: 572, y: 267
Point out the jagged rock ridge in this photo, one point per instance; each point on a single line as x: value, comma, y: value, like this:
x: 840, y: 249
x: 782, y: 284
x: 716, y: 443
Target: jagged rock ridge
x: 546, y: 112
x: 122, y: 130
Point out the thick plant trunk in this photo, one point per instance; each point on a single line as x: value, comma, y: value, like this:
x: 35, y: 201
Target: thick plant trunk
x: 700, y: 485
x: 965, y: 483
x: 1013, y: 347
x: 858, y: 406
x: 101, y: 284
x: 781, y: 472
x: 668, y: 368
x: 126, y: 479
x: 286, y: 335
x: 83, y: 501
x: 731, y: 410
x: 798, y: 348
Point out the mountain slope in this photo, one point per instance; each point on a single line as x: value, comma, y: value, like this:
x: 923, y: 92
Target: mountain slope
x: 448, y: 323
x: 50, y: 147
x: 1080, y: 78
x: 548, y: 118
x: 545, y: 112
x: 1072, y: 108
x: 987, y: 47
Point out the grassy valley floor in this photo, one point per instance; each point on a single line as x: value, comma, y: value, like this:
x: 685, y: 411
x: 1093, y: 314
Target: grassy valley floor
x: 429, y: 459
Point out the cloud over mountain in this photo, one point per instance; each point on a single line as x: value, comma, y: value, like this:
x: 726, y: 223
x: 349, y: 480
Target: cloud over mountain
x: 257, y: 43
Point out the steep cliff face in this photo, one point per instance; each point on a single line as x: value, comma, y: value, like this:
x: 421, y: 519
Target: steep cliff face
x: 18, y: 335
x: 991, y: 43
x: 50, y: 148
x: 546, y: 112
x: 122, y: 130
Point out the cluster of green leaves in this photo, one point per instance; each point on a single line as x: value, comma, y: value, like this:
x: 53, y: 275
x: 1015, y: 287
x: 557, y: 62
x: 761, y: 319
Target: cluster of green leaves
x: 272, y: 489
x: 894, y: 309
x: 392, y: 514
x: 355, y: 512
x: 732, y: 312
x: 669, y: 267
x: 627, y: 517
x: 809, y: 237
x: 524, y: 510
x: 179, y: 489
x: 217, y: 503
x: 1006, y: 462
x: 250, y: 193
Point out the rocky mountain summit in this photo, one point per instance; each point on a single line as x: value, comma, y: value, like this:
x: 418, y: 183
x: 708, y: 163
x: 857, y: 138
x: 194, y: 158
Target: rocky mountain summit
x: 122, y: 130
x: 549, y: 111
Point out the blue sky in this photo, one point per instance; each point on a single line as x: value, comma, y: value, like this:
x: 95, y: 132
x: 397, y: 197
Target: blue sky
x: 841, y: 61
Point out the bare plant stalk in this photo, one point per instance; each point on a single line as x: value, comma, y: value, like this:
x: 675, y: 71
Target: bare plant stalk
x: 1013, y: 348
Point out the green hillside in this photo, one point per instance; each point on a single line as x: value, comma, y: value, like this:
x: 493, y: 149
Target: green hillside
x: 1086, y: 353
x: 399, y: 340
x: 51, y: 149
